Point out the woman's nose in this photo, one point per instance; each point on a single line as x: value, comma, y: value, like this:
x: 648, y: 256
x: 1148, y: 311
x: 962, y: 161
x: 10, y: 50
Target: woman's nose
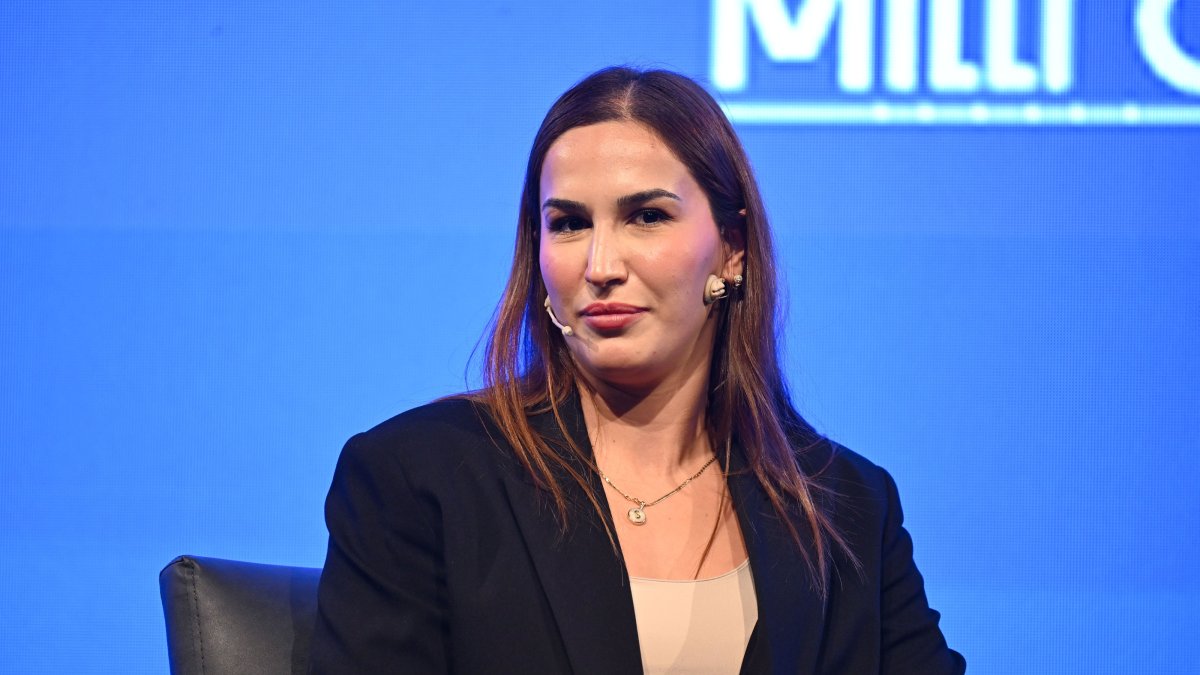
x: 606, y: 260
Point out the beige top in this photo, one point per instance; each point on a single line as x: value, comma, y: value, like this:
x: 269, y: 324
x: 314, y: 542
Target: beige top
x: 695, y: 627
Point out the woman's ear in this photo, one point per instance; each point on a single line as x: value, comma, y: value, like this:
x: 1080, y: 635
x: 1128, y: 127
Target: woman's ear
x: 734, y: 244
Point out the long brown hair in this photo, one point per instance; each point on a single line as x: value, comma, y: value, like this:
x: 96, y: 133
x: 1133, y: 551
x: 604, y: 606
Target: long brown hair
x: 528, y: 368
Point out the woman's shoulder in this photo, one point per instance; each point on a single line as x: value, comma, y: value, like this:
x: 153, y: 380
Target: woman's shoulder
x: 853, y: 485
x: 436, y: 436
x: 450, y: 415
x: 826, y: 460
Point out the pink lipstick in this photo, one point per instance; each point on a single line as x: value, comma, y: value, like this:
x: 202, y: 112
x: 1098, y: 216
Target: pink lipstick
x: 611, y: 316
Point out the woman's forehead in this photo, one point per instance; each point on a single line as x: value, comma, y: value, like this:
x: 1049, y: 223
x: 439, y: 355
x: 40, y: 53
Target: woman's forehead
x: 609, y: 160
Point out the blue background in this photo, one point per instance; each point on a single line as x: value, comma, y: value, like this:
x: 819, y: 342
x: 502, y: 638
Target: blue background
x: 233, y: 234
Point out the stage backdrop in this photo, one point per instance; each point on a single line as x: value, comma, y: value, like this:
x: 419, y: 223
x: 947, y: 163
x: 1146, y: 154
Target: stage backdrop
x: 232, y: 234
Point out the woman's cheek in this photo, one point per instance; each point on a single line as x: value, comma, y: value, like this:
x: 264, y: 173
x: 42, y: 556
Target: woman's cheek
x: 555, y: 273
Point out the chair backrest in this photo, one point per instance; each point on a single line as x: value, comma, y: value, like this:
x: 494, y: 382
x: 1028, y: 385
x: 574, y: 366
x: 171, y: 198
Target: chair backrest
x: 225, y: 617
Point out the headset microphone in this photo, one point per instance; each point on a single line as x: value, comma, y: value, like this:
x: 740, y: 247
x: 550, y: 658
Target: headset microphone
x: 566, y: 330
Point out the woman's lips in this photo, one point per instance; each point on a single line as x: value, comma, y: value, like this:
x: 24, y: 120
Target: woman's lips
x: 610, y: 316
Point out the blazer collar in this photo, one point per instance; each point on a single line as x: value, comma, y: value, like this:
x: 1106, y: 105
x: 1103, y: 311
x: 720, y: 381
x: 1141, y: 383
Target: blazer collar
x: 580, y: 570
x: 791, y: 616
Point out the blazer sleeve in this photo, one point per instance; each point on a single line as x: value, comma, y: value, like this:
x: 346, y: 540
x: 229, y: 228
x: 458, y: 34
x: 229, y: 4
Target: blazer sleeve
x: 911, y: 641
x: 381, y: 598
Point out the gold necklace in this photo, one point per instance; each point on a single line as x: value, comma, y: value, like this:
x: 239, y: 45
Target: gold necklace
x: 637, y: 515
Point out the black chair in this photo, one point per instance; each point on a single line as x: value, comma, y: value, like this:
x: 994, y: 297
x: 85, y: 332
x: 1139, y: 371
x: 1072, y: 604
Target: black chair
x: 226, y: 617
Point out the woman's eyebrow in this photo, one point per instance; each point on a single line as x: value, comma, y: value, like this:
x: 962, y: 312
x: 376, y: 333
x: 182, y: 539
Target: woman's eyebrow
x: 564, y: 205
x: 645, y: 196
x: 626, y: 201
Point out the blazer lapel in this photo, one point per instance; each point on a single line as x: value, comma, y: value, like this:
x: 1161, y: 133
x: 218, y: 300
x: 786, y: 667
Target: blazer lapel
x: 583, y: 576
x: 791, y: 615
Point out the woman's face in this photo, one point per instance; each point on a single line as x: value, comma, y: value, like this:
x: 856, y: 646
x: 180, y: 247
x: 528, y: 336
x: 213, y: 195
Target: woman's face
x: 627, y: 244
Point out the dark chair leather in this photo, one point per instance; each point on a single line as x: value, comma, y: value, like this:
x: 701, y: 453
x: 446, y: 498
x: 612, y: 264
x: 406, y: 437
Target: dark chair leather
x: 226, y: 617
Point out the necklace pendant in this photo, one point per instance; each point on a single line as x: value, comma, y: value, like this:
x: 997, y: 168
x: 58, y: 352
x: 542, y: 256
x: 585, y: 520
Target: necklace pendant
x: 637, y: 516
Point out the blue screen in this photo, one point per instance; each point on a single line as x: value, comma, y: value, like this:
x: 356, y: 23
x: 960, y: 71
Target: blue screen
x: 234, y: 234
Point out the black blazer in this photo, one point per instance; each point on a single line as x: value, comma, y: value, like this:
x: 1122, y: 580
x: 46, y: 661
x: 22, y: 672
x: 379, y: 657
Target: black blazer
x: 445, y: 558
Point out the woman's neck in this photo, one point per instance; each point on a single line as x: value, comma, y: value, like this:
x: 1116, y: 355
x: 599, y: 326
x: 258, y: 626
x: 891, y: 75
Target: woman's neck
x: 656, y: 431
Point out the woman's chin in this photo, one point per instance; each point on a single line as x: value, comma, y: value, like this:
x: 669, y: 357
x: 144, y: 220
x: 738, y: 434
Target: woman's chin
x: 634, y: 364
x: 624, y: 373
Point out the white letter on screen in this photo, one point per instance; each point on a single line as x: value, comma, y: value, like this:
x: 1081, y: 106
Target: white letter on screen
x: 903, y: 36
x: 1160, y: 48
x: 1005, y: 71
x: 792, y: 40
x: 1058, y: 44
x: 947, y: 70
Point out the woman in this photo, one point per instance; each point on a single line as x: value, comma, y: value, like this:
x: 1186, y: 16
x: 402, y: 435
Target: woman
x: 632, y: 490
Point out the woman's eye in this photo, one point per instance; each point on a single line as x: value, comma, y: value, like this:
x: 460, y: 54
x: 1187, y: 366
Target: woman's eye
x: 651, y: 217
x: 568, y: 224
